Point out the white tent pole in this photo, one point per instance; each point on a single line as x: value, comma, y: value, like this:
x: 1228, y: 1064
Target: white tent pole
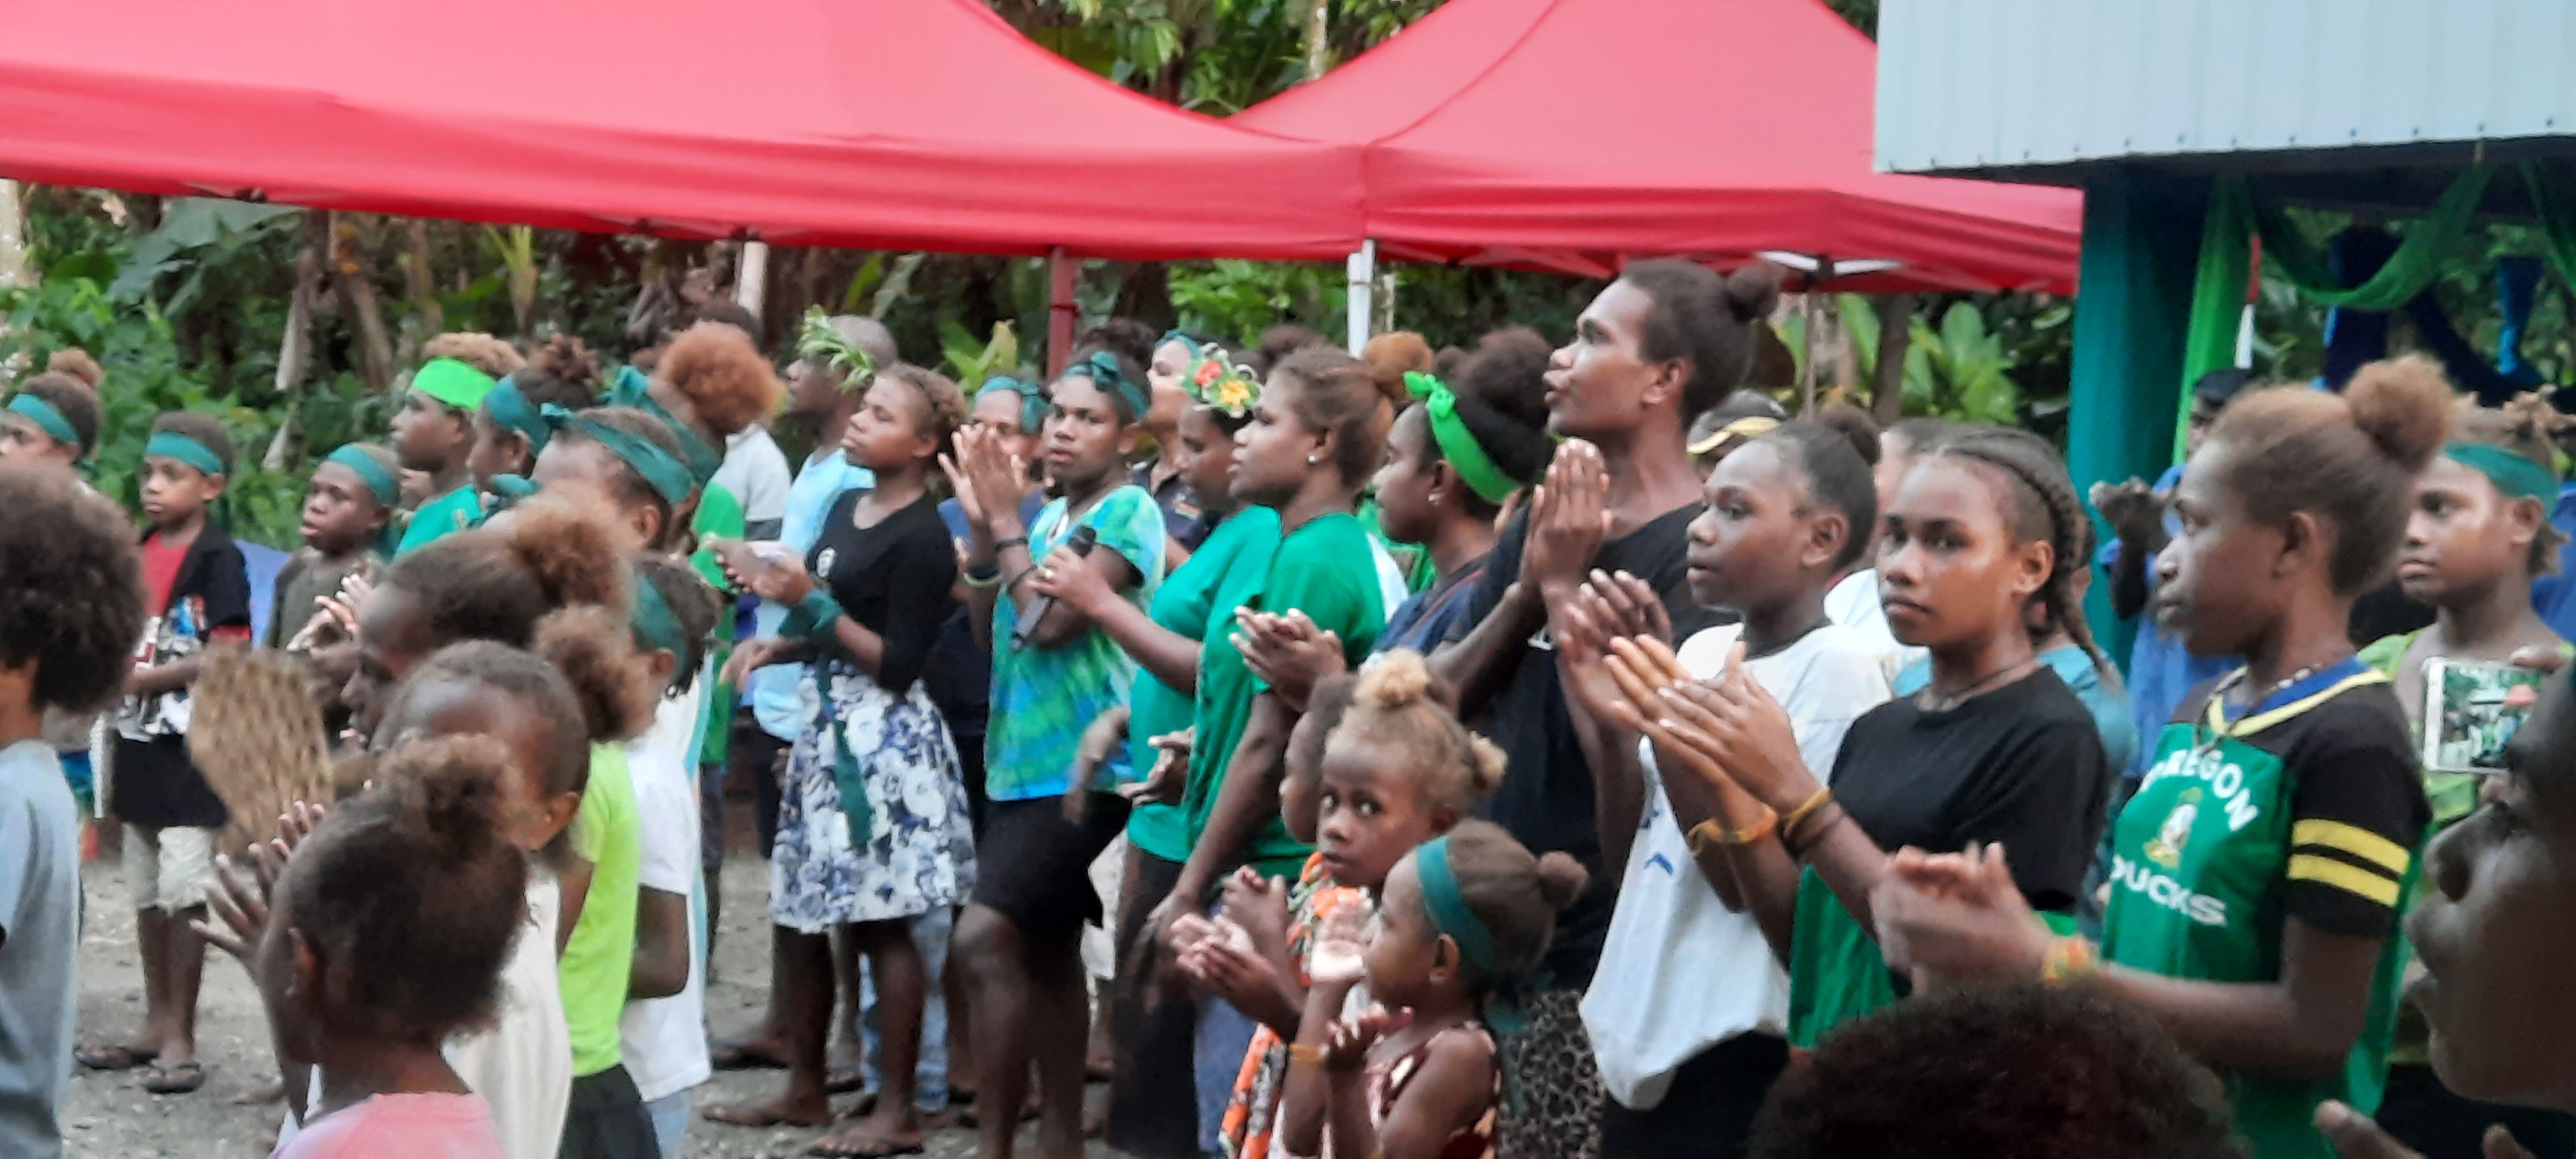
x: 751, y: 281
x: 1363, y: 284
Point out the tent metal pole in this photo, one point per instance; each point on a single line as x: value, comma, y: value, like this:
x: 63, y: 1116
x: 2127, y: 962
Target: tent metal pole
x: 1061, y: 311
x: 1358, y: 308
x: 751, y: 278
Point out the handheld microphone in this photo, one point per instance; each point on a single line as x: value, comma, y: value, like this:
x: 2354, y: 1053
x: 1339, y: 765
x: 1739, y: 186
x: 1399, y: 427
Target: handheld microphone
x: 1084, y: 539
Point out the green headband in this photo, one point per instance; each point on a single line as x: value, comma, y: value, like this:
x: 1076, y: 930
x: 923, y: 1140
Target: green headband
x: 173, y: 445
x: 46, y: 416
x: 452, y: 382
x: 1033, y: 401
x: 633, y: 389
x: 661, y: 472
x: 1102, y: 369
x: 380, y: 482
x: 2517, y: 477
x: 1447, y: 905
x: 1457, y: 443
x: 656, y: 626
x: 510, y: 407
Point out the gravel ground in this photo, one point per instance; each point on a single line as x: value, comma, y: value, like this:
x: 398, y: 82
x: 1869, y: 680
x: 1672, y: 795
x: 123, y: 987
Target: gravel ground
x: 110, y: 1116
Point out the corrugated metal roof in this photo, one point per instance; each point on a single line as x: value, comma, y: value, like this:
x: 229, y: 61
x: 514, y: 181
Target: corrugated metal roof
x: 1994, y: 85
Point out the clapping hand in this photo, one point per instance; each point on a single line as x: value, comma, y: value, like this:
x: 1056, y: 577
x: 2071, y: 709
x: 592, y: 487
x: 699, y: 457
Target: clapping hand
x: 1952, y: 917
x: 2354, y: 1136
x: 1169, y: 779
x: 1729, y: 722
x: 240, y: 898
x: 1346, y: 1047
x: 1569, y: 519
x: 1288, y: 652
x: 986, y: 476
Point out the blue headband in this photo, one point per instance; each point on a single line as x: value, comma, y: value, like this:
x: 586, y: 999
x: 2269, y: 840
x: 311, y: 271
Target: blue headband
x: 45, y: 415
x: 380, y: 483
x: 1102, y: 369
x: 509, y: 406
x: 663, y: 473
x: 173, y: 445
x: 633, y: 389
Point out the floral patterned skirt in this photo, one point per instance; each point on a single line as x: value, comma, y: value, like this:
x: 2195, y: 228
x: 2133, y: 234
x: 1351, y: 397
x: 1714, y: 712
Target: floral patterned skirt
x: 918, y: 852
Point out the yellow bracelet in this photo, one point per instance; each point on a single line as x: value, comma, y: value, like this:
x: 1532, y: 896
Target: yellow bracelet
x: 1790, y: 820
x: 1307, y: 1053
x: 2067, y: 959
x: 1709, y: 832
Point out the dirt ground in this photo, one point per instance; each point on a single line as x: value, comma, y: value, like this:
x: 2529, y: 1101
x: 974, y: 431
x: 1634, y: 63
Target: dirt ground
x: 110, y: 1116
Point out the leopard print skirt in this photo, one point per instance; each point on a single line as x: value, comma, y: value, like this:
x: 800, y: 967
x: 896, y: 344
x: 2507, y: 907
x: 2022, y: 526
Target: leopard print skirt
x: 1552, y: 1089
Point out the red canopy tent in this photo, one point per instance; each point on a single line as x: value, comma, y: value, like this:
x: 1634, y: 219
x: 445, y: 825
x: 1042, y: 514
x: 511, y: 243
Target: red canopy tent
x: 1569, y: 134
x: 896, y: 124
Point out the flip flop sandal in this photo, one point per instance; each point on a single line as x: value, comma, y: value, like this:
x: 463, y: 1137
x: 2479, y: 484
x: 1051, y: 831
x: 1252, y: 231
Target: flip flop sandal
x: 741, y: 1056
x: 176, y: 1079
x: 112, y: 1057
x: 842, y: 1082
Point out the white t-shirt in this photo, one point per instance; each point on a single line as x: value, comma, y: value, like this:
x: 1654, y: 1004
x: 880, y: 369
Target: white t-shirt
x: 1680, y: 972
x: 1853, y: 603
x: 664, y: 1040
x: 755, y: 470
x: 523, y: 1065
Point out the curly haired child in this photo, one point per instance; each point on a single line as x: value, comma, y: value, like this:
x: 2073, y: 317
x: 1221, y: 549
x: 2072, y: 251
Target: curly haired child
x: 71, y: 600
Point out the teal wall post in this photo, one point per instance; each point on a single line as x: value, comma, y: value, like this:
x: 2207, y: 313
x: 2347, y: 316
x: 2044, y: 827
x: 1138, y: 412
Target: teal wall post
x: 2132, y: 308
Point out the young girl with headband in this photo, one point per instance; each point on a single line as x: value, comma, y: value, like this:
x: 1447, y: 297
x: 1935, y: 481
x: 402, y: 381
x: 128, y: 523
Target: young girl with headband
x: 53, y: 417
x: 510, y: 429
x: 2259, y: 870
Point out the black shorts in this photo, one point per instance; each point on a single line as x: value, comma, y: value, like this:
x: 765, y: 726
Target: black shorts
x: 605, y: 1119
x: 1153, y: 1096
x: 1034, y: 867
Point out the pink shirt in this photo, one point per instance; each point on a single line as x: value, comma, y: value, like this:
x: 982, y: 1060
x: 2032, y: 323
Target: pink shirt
x: 400, y: 1127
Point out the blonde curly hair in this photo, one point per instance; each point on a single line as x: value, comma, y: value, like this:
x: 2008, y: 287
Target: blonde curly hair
x: 1397, y: 703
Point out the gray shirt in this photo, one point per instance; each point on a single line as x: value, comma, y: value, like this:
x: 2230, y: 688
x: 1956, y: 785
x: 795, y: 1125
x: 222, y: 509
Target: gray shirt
x: 39, y: 936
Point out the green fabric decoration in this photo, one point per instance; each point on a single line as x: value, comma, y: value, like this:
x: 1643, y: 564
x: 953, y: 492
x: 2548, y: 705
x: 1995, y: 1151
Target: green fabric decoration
x: 813, y: 618
x: 661, y: 472
x: 1033, y: 400
x: 2557, y: 222
x: 452, y: 382
x: 2409, y: 270
x: 1457, y: 444
x: 513, y: 487
x: 1102, y: 369
x: 656, y: 626
x: 47, y: 416
x: 511, y: 408
x: 2517, y: 477
x: 635, y: 390
x: 2217, y: 293
x: 380, y: 482
x: 173, y: 445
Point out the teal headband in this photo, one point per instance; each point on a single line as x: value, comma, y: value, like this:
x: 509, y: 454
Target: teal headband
x: 380, y: 482
x: 1033, y: 401
x: 657, y: 627
x: 1102, y: 369
x: 633, y: 389
x: 663, y: 473
x: 510, y: 407
x: 1457, y: 444
x: 2517, y: 477
x: 452, y: 382
x: 1177, y: 335
x: 46, y: 416
x: 173, y: 445
x: 1447, y: 906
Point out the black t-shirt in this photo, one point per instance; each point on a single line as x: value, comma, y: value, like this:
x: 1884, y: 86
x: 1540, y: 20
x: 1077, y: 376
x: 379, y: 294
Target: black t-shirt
x: 1545, y: 799
x: 894, y: 579
x: 2022, y: 765
x: 153, y: 782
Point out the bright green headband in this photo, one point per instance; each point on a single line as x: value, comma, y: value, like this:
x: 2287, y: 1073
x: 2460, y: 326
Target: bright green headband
x: 46, y: 416
x: 1457, y: 443
x: 380, y: 482
x: 1447, y: 905
x: 663, y: 473
x: 173, y: 445
x: 510, y: 407
x: 657, y: 627
x: 452, y: 382
x: 2517, y: 477
x: 635, y: 390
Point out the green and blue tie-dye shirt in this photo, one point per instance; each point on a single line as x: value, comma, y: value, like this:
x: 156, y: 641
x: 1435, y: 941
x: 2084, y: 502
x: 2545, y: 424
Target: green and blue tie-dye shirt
x: 1044, y: 697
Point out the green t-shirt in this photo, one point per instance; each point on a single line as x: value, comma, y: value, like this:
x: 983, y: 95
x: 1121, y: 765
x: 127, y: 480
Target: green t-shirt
x: 719, y: 516
x: 2309, y: 807
x: 1324, y: 569
x: 1044, y: 697
x: 1835, y: 970
x: 608, y: 832
x: 1184, y: 605
x: 458, y: 510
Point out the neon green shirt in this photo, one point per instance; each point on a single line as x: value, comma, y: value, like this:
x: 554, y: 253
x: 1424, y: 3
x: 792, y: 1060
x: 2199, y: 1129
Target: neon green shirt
x: 608, y: 833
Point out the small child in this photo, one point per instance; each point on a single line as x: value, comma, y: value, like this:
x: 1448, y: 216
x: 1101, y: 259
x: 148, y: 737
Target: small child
x: 1463, y: 918
x: 434, y: 434
x: 52, y: 419
x: 348, y: 520
x: 385, y: 932
x: 510, y: 428
x: 196, y: 593
x: 69, y: 604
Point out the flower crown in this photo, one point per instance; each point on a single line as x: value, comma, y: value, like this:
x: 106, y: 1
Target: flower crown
x: 1219, y: 384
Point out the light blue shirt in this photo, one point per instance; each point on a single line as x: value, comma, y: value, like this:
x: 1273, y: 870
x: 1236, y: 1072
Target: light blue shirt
x: 773, y: 697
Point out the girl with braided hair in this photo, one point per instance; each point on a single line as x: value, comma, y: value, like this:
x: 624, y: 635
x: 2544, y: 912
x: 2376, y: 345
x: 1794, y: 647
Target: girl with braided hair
x: 1994, y: 750
x: 2259, y: 869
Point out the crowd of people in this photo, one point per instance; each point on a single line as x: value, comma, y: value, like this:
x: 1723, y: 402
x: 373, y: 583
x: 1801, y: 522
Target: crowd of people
x: 1531, y: 750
